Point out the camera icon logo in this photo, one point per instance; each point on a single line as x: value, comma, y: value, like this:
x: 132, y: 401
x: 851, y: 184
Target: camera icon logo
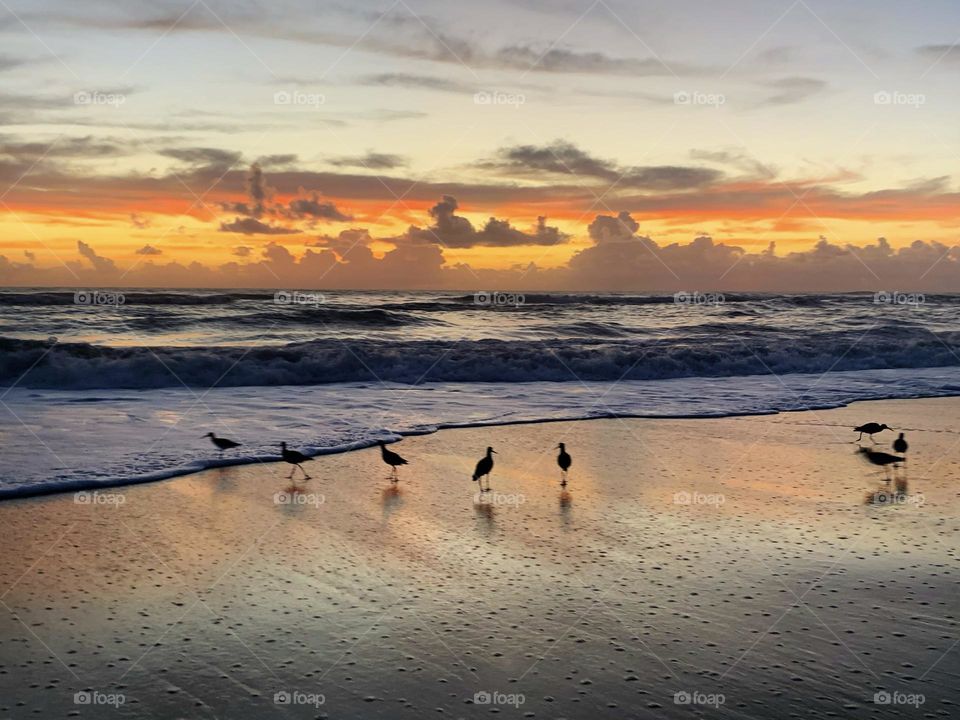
x: 282, y: 97
x: 282, y: 698
x: 882, y: 98
x: 482, y: 698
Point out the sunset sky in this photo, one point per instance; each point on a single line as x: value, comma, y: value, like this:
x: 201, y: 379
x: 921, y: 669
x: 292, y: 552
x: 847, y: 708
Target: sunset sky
x: 369, y: 144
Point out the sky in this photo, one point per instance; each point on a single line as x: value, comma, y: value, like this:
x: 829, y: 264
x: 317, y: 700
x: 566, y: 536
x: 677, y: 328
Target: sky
x: 563, y: 144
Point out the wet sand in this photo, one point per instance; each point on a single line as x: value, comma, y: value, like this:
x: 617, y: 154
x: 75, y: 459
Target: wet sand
x: 741, y: 567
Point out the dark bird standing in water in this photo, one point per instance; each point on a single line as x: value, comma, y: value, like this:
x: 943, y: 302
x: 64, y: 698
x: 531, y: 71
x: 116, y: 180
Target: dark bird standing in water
x: 222, y: 443
x: 392, y: 459
x: 294, y: 458
x: 870, y: 429
x: 483, y: 468
x: 564, y: 461
x: 900, y: 445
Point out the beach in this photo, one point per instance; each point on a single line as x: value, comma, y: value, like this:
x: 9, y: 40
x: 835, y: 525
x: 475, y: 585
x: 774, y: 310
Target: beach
x: 743, y: 567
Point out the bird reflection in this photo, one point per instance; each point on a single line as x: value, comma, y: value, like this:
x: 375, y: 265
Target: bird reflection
x: 391, y: 498
x: 485, y: 510
x: 882, y: 459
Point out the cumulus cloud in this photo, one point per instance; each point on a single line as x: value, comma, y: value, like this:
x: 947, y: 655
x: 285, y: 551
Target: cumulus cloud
x: 619, y: 258
x: 101, y: 264
x: 149, y: 250
x: 455, y: 231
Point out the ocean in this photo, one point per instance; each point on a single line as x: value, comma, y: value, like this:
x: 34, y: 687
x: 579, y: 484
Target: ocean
x: 100, y: 388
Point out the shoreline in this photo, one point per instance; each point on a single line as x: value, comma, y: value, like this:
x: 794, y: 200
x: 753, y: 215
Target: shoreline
x: 757, y: 558
x: 85, y: 484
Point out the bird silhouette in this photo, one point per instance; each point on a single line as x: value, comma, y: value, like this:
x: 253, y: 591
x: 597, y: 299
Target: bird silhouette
x: 882, y: 459
x: 392, y: 459
x: 483, y: 468
x: 222, y: 443
x: 564, y: 461
x: 294, y: 458
x: 900, y: 445
x: 870, y: 429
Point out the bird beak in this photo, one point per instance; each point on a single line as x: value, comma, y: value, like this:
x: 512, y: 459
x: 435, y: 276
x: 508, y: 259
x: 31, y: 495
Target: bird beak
x: 494, y: 452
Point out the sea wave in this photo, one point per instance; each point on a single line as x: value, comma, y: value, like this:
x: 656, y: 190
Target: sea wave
x: 49, y: 364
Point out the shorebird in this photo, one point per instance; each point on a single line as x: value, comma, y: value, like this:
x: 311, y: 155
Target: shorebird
x: 294, y: 458
x: 900, y: 445
x: 222, y: 443
x: 882, y: 459
x: 392, y: 459
x: 564, y: 461
x: 869, y: 429
x: 484, y: 467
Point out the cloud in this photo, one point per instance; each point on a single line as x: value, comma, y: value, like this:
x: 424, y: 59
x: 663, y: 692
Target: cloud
x: 619, y: 259
x: 454, y: 231
x: 792, y: 90
x: 203, y: 157
x: 564, y: 158
x: 242, y: 251
x: 314, y: 208
x: 371, y: 161
x: 149, y: 250
x: 938, y: 53
x: 252, y: 226
x: 102, y: 265
x: 418, y: 82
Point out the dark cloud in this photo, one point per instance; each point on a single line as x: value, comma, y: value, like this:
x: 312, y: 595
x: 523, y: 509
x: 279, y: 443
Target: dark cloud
x: 315, y: 208
x: 252, y: 226
x: 371, y: 161
x: 242, y: 251
x: 564, y: 158
x: 203, y: 157
x: 149, y: 250
x: 454, y: 231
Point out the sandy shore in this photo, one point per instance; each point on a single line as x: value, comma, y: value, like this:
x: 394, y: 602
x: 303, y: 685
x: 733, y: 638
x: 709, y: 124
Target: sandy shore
x: 741, y: 567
